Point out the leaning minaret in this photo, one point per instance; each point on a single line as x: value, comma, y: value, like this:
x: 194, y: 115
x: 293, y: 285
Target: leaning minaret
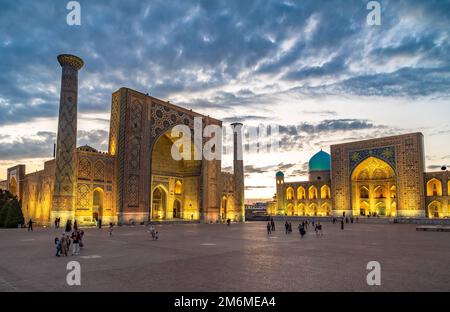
x: 238, y: 169
x: 64, y: 192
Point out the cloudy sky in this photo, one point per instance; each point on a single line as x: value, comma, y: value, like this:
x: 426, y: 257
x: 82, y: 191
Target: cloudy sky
x: 313, y: 67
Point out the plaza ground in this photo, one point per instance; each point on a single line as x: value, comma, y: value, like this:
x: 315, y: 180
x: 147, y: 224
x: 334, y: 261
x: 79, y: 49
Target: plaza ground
x: 214, y: 257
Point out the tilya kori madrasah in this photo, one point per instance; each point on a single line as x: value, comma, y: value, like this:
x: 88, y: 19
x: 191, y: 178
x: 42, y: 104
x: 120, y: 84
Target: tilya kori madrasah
x: 137, y: 180
x: 382, y: 177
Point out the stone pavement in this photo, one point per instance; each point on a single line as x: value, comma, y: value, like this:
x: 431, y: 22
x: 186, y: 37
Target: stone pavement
x: 214, y: 257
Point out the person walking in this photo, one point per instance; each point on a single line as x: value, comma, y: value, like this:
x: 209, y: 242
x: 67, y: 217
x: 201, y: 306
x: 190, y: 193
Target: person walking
x: 76, y: 243
x: 342, y: 224
x: 269, y: 228
x: 301, y: 230
x: 100, y: 223
x: 67, y: 244
x: 30, y: 225
x: 75, y: 226
x: 272, y: 224
x: 110, y: 228
x: 63, y: 245
x: 286, y: 227
x: 152, y: 232
x: 319, y: 229
x: 68, y: 226
x: 56, y: 223
x: 58, y: 246
x: 80, y: 235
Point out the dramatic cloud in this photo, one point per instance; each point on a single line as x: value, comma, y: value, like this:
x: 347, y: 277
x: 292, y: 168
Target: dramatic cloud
x: 41, y: 144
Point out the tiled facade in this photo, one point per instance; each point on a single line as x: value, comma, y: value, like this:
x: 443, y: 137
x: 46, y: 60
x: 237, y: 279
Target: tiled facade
x: 137, y: 180
x: 383, y: 177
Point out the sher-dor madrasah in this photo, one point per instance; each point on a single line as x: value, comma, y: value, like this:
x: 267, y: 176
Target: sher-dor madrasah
x: 137, y: 180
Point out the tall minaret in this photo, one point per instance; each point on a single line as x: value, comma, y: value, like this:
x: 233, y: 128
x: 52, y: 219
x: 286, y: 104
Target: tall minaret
x: 238, y: 168
x: 64, y: 185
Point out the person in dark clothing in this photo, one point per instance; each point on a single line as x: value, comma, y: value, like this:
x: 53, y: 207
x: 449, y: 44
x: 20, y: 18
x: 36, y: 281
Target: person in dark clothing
x: 68, y: 226
x: 269, y: 228
x: 100, y: 223
x: 319, y: 229
x: 30, y: 225
x: 286, y: 227
x: 58, y: 246
x: 272, y: 224
x: 342, y: 224
x: 290, y: 227
x: 301, y: 230
x: 75, y: 226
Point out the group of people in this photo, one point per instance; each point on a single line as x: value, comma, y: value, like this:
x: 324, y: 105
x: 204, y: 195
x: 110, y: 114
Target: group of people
x: 302, y: 227
x: 57, y: 223
x: 63, y: 244
x: 288, y: 227
x: 270, y: 226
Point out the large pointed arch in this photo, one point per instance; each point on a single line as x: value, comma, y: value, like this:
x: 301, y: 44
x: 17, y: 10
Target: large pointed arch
x: 374, y: 185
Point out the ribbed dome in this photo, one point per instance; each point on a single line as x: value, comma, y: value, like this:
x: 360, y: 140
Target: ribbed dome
x: 320, y: 161
x: 279, y: 174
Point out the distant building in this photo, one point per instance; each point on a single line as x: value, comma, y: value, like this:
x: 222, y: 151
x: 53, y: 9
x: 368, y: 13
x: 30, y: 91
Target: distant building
x: 382, y: 177
x: 255, y: 210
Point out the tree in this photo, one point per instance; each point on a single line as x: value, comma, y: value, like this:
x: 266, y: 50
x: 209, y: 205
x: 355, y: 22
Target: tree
x: 3, y: 214
x: 5, y: 198
x: 14, y: 215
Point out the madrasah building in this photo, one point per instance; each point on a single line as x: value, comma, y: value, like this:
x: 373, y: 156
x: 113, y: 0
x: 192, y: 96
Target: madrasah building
x: 137, y: 180
x: 382, y: 177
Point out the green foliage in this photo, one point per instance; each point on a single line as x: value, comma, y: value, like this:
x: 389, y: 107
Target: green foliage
x: 14, y: 216
x: 3, y: 215
x: 10, y: 211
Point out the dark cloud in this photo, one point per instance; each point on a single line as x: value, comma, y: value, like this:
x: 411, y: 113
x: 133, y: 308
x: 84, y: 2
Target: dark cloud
x: 293, y: 137
x: 98, y: 139
x: 41, y: 144
x: 435, y: 167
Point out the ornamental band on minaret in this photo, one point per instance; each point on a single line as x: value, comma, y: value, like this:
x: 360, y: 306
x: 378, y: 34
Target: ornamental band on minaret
x: 65, y: 166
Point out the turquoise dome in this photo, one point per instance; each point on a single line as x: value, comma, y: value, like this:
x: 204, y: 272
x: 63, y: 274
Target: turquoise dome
x: 320, y: 161
x: 279, y: 174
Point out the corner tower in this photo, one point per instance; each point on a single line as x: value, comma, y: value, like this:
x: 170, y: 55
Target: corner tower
x: 63, y: 192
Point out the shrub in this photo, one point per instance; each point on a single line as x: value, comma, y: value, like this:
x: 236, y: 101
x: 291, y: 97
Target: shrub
x: 3, y: 214
x: 14, y: 215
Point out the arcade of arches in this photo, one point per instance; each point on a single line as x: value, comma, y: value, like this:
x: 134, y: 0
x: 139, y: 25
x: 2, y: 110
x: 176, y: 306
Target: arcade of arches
x: 374, y: 188
x: 438, y: 198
